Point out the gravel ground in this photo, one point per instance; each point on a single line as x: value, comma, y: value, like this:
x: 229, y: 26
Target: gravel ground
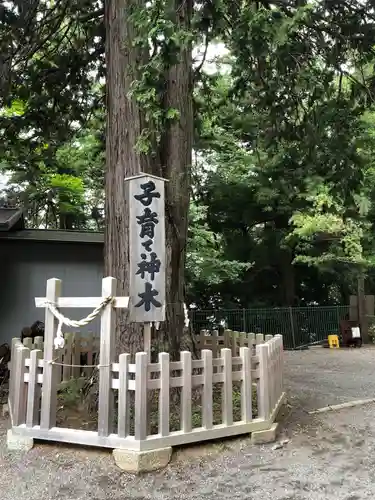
x: 321, y: 377
x: 330, y: 457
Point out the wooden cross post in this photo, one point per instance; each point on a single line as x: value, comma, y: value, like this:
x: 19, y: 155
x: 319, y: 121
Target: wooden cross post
x: 107, y: 349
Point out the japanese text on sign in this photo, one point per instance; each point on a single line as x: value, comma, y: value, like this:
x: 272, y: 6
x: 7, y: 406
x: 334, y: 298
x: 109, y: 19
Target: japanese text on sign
x: 147, y: 249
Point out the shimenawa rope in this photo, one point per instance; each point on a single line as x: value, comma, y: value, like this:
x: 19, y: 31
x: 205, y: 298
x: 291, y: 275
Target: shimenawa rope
x: 59, y: 341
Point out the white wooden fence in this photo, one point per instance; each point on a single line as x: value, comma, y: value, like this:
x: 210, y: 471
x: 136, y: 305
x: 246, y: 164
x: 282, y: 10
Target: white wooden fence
x: 230, y: 340
x: 77, y: 348
x: 34, y: 385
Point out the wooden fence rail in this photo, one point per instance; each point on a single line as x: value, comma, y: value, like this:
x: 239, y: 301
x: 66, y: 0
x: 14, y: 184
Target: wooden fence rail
x: 229, y: 340
x: 253, y: 370
x: 77, y: 358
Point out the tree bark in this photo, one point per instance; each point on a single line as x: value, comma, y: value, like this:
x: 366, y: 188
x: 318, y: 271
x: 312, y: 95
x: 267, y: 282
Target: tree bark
x: 172, y: 161
x: 123, y: 128
x: 176, y: 160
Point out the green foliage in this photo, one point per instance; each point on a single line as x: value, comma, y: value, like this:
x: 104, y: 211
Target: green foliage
x: 206, y: 264
x: 284, y: 179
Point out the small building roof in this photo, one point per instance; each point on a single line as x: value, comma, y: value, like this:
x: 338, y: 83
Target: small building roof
x: 51, y: 235
x: 11, y: 218
x: 12, y: 227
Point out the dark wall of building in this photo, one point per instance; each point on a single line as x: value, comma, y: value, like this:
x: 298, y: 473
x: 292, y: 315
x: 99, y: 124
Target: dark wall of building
x: 25, y: 267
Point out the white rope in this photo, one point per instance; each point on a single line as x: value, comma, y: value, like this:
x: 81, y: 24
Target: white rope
x: 59, y: 341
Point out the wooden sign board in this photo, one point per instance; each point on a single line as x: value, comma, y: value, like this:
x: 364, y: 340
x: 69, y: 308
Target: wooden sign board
x: 146, y: 195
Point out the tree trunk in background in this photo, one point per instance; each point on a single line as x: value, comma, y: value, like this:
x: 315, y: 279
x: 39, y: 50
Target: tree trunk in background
x: 122, y: 131
x: 172, y: 161
x: 176, y: 160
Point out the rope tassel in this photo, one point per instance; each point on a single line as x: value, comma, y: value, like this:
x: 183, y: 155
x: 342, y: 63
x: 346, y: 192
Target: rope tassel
x: 59, y: 341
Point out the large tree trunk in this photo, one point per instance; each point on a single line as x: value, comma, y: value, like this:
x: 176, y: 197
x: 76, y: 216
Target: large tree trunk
x: 176, y: 160
x: 122, y: 160
x: 172, y: 161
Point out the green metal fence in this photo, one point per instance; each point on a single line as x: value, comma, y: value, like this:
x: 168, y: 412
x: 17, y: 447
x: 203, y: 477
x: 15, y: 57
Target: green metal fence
x: 299, y: 325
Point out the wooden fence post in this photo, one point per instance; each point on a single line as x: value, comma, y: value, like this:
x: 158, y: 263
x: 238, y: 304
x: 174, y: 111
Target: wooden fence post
x: 15, y: 343
x: 227, y: 339
x: 227, y: 391
x: 90, y: 354
x: 215, y: 343
x: 263, y: 383
x: 186, y: 417
x: 33, y: 392
x: 19, y: 394
x: 141, y: 376
x: 67, y: 357
x: 252, y: 342
x: 76, y: 370
x: 123, y: 396
x: 234, y: 343
x: 49, y: 391
x: 164, y: 394
x: 246, y: 386
x: 28, y: 342
x: 271, y: 372
x: 207, y: 415
x: 259, y: 338
x: 107, y: 354
x: 242, y: 341
x: 202, y: 339
x: 38, y: 343
x: 280, y: 363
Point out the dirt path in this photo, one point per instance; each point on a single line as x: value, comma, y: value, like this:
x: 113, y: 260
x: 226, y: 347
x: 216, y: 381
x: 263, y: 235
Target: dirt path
x: 331, y: 457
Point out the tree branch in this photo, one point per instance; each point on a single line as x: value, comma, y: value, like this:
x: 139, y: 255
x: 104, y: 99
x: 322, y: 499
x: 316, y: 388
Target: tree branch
x: 198, y: 69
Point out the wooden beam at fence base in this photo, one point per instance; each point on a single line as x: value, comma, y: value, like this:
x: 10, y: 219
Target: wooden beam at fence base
x: 107, y: 354
x: 91, y: 438
x: 49, y: 390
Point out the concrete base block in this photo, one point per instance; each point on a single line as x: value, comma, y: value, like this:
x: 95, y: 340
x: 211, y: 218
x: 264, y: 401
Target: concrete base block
x: 142, y: 461
x: 19, y: 443
x: 267, y: 436
x: 5, y: 411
